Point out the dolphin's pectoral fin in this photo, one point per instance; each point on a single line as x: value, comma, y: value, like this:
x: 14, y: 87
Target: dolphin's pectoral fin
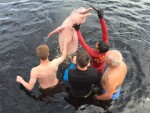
x: 58, y: 29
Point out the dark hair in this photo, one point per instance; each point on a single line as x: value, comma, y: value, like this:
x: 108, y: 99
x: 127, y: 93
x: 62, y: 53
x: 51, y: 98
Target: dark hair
x: 42, y: 51
x: 103, y: 47
x: 83, y: 58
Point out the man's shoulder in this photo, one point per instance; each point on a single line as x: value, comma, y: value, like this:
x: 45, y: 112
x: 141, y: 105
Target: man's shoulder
x: 93, y: 70
x: 72, y: 70
x: 36, y: 68
x: 34, y: 71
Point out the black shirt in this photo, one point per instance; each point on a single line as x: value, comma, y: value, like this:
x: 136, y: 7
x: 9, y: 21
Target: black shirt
x: 81, y: 81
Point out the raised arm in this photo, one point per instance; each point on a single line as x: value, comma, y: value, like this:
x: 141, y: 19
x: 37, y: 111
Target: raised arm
x: 29, y: 86
x: 55, y: 31
x: 104, y: 30
x: 64, y: 52
x: 59, y: 60
x: 100, y: 14
x: 81, y: 40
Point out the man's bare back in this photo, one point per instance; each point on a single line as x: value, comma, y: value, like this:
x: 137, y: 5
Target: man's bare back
x: 46, y: 71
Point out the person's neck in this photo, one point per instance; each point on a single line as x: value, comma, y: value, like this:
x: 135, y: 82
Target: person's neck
x: 44, y: 61
x: 82, y: 69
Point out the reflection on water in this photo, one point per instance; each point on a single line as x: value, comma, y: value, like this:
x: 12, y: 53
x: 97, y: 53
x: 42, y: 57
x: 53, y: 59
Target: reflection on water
x: 24, y: 24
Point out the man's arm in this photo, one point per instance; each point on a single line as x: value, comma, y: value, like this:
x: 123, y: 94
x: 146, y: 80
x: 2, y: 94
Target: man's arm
x: 108, y: 93
x: 104, y: 30
x: 55, y: 31
x: 65, y: 76
x: 29, y: 86
x: 72, y: 66
x: 81, y: 40
x: 100, y: 14
x: 59, y: 60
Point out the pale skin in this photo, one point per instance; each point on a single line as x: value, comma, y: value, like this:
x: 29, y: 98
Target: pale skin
x: 112, y: 80
x: 67, y: 32
x: 45, y: 73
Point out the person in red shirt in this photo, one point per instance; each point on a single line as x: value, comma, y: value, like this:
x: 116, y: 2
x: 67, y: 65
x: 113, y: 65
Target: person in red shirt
x: 97, y: 54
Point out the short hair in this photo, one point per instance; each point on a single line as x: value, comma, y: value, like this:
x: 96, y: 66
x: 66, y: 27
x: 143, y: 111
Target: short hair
x: 83, y: 58
x: 114, y: 57
x: 103, y: 47
x: 42, y: 51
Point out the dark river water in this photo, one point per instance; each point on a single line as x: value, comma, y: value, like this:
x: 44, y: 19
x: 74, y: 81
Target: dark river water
x: 24, y: 24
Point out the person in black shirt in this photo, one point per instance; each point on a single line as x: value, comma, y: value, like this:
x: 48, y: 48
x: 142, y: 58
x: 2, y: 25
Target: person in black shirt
x: 80, y: 76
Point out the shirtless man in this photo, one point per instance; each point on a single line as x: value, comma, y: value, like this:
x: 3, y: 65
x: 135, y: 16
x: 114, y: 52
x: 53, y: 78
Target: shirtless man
x: 46, y: 71
x: 113, y: 77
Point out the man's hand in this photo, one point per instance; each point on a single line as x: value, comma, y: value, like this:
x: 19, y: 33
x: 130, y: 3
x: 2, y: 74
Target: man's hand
x: 74, y: 59
x: 19, y: 79
x: 76, y: 26
x: 100, y: 13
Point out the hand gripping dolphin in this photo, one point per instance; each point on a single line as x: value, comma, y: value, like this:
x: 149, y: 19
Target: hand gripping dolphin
x: 67, y: 32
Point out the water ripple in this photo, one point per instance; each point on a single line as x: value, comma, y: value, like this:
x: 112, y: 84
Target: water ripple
x: 24, y: 24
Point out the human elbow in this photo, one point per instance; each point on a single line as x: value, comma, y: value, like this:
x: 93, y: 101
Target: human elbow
x: 104, y: 97
x: 108, y: 96
x: 29, y: 88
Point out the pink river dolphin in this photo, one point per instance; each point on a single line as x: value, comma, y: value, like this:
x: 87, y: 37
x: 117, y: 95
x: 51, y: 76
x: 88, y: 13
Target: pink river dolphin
x: 67, y: 32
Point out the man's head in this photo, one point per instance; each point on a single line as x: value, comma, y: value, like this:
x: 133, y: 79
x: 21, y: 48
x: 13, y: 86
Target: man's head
x: 83, y: 59
x: 42, y: 51
x: 102, y: 46
x: 113, y: 57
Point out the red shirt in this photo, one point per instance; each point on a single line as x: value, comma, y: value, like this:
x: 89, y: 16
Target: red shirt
x: 97, y: 57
